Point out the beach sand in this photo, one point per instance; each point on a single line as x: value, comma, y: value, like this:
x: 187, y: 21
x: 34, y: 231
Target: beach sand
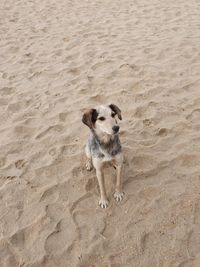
x: 58, y: 57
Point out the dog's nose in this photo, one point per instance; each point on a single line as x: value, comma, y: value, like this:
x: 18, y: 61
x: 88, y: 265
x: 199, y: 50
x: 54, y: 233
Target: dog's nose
x: 115, y: 129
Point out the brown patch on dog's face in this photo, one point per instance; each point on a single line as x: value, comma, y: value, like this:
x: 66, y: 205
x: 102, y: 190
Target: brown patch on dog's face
x: 89, y: 118
x: 116, y: 110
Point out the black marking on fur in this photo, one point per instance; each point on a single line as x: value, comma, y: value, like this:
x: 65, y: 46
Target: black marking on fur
x: 94, y: 115
x: 113, y: 147
x: 116, y: 110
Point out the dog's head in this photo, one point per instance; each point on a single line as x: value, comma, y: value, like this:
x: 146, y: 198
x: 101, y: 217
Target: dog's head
x: 103, y: 120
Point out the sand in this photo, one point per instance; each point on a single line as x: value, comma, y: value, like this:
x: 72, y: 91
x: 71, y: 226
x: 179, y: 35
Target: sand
x: 58, y: 57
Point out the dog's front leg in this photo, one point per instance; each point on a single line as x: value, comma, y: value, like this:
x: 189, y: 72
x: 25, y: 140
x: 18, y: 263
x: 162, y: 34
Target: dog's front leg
x: 89, y: 158
x: 103, y: 202
x: 119, y: 194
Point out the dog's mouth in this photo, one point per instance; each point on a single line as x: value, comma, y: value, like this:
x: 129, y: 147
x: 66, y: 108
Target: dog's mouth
x: 107, y: 134
x: 111, y: 134
x: 114, y: 131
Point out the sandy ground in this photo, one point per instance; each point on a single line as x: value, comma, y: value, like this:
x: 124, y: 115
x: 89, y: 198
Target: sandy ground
x: 58, y: 57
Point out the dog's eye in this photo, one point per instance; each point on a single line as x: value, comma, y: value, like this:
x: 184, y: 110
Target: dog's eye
x: 102, y: 119
x: 113, y: 114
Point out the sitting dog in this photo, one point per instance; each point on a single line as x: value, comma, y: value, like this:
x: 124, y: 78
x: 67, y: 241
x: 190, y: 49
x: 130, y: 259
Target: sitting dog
x: 103, y: 145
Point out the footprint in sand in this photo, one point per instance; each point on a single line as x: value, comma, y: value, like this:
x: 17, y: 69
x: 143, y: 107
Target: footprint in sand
x: 6, y: 91
x: 101, y: 66
x: 53, y: 151
x: 98, y: 98
x: 145, y: 111
x: 75, y: 71
x: 194, y: 116
x: 193, y: 242
x: 9, y: 177
x: 77, y: 171
x: 144, y: 162
x: 188, y: 161
x: 2, y: 162
x: 197, y: 212
x: 23, y: 131
x: 147, y: 122
x: 50, y: 195
x: 162, y: 132
x: 89, y: 226
x: 91, y: 184
x: 20, y: 164
x: 62, y: 237
x: 70, y: 149
x: 88, y: 261
x: 55, y: 128
x: 13, y: 49
x: 10, y: 258
x: 63, y: 116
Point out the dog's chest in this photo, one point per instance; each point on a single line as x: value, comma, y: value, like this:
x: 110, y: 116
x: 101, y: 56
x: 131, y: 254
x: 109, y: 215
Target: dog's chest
x: 106, y: 156
x: 106, y: 152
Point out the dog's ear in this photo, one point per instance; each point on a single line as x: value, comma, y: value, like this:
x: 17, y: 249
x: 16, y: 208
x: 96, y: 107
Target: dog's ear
x: 116, y: 110
x: 89, y: 118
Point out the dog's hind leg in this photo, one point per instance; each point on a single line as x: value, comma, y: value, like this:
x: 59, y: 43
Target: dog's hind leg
x: 89, y: 165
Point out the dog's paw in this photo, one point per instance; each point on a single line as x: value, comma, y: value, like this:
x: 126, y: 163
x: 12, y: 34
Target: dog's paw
x: 119, y: 196
x: 88, y: 165
x: 103, y: 203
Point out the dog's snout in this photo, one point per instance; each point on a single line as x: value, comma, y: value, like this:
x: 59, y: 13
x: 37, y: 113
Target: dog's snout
x: 115, y: 129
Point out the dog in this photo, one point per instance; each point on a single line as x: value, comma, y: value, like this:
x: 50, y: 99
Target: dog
x: 103, y: 146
